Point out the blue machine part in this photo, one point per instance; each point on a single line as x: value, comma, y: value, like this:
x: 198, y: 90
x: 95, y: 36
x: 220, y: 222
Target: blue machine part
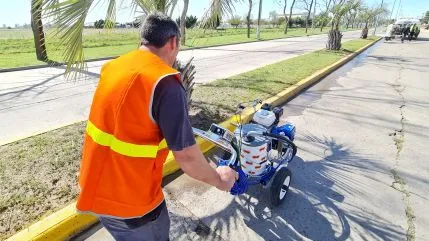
x: 241, y: 185
x: 287, y: 129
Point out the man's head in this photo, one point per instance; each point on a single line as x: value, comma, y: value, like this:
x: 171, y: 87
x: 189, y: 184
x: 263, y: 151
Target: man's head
x: 161, y: 34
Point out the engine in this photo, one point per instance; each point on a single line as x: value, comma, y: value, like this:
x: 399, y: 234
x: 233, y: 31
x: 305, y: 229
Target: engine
x: 268, y: 115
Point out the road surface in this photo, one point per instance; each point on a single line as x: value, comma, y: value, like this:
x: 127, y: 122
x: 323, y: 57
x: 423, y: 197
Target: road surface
x: 361, y: 172
x: 37, y: 100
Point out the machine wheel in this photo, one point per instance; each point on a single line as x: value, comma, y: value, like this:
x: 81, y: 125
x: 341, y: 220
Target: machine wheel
x: 280, y: 186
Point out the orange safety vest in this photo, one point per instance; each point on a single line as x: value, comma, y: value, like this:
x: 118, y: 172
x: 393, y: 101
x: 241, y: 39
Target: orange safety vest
x: 124, y: 150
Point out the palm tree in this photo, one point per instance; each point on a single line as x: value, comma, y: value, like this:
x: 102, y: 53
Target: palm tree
x: 290, y: 16
x: 183, y: 22
x: 37, y: 27
x: 69, y: 17
x: 248, y: 18
x: 339, y: 10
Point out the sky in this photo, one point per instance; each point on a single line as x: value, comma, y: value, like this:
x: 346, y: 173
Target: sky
x: 18, y: 11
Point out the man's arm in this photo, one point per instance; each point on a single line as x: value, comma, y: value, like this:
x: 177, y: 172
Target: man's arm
x: 193, y: 163
x: 169, y: 110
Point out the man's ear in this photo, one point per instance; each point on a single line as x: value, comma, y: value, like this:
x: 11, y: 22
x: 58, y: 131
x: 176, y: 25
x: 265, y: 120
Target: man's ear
x: 173, y: 42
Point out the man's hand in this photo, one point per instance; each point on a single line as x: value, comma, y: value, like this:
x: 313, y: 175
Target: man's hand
x: 193, y: 163
x: 227, y: 178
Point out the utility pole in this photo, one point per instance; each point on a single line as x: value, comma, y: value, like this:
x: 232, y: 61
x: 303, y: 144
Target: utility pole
x: 391, y: 12
x: 376, y: 20
x: 258, y: 31
x: 399, y: 8
x: 314, y: 15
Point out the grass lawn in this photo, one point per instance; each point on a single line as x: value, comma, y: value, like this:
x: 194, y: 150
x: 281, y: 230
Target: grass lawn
x: 38, y: 174
x: 17, y: 46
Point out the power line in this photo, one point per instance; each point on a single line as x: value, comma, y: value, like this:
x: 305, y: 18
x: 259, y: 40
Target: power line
x: 399, y: 7
x: 393, y: 9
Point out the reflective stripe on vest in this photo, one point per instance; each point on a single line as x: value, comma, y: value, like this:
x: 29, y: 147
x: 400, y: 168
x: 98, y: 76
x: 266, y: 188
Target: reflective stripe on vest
x: 124, y: 148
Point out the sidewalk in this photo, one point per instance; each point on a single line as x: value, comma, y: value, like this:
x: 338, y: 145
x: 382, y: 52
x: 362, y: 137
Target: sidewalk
x: 33, y: 101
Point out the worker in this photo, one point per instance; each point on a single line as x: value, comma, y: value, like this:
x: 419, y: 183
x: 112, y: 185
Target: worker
x: 406, y: 33
x: 414, y: 31
x: 140, y: 108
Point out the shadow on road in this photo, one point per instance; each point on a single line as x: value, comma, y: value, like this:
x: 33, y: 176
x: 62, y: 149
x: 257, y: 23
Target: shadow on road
x: 314, y: 208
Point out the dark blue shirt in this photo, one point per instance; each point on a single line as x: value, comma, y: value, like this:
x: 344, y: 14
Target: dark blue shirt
x: 170, y: 111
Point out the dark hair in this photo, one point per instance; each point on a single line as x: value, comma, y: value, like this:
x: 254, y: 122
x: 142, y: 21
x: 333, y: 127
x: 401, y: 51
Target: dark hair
x: 157, y: 29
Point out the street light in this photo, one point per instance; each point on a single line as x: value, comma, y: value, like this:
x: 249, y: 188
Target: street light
x: 258, y: 30
x: 376, y: 20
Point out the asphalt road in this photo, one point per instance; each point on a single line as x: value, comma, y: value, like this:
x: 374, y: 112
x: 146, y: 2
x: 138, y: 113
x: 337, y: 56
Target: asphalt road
x: 361, y: 172
x: 37, y: 100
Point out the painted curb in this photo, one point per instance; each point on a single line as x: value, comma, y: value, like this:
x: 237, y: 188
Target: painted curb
x: 67, y: 222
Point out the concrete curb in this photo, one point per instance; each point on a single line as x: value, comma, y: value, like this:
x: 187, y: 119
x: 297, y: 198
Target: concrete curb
x: 41, y: 66
x: 68, y: 222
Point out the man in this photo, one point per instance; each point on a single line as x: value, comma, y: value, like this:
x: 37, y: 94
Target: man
x: 140, y: 101
x: 405, y: 33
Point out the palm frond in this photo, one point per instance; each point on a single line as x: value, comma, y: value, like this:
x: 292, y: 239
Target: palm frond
x: 110, y: 15
x: 69, y: 17
x: 216, y: 10
x: 148, y: 6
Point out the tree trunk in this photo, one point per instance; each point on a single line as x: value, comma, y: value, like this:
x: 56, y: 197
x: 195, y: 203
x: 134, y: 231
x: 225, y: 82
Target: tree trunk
x: 290, y: 16
x: 364, y: 33
x: 38, y: 33
x: 183, y: 22
x: 248, y: 18
x: 334, y: 39
x: 286, y: 19
x: 308, y: 16
x: 348, y: 22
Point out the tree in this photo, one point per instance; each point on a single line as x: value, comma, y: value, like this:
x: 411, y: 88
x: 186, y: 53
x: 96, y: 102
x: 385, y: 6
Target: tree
x: 307, y: 6
x: 339, y: 9
x: 290, y: 16
x: 281, y: 21
x: 324, y: 15
x: 248, y: 18
x: 286, y: 19
x: 69, y: 17
x: 368, y: 15
x: 183, y: 22
x: 426, y: 17
x: 322, y: 20
x: 99, y: 23
x: 191, y: 21
x: 216, y: 10
x: 273, y: 17
x: 235, y: 21
x: 38, y: 32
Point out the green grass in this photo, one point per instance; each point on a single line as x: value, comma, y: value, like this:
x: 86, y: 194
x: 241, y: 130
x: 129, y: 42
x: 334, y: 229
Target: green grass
x: 217, y: 100
x: 17, y: 46
x: 38, y: 174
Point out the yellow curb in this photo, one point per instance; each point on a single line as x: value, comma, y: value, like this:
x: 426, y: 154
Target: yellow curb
x: 67, y: 222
